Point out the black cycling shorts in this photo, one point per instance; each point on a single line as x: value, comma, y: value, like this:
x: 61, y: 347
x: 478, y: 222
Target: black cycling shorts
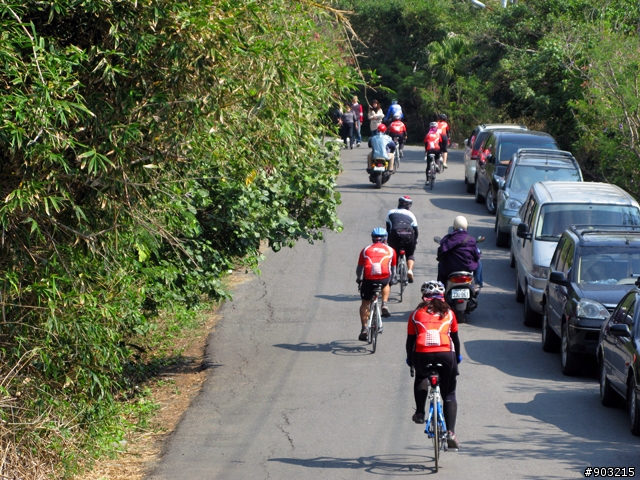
x: 401, y: 242
x: 366, y: 288
x: 448, y: 372
x: 444, y: 143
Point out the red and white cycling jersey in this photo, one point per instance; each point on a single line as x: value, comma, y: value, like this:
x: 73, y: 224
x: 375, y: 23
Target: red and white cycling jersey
x: 432, y: 141
x: 432, y: 331
x: 443, y: 128
x: 397, y: 128
x: 377, y: 260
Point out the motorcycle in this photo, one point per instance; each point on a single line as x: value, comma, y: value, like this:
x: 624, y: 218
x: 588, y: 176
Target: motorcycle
x: 459, y: 292
x: 380, y: 173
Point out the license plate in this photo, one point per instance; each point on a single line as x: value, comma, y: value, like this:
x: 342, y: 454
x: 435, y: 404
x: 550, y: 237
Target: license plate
x: 378, y: 169
x: 460, y: 293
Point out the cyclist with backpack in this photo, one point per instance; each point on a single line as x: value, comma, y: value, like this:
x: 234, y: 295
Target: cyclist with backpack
x: 432, y: 338
x: 403, y: 232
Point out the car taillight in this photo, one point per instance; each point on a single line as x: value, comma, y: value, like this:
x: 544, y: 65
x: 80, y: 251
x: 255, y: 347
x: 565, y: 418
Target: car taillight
x: 474, y: 154
x: 461, y: 279
x: 434, y: 380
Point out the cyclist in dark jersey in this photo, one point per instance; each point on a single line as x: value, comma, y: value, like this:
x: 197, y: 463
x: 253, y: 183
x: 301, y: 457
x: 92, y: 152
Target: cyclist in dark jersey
x: 403, y: 232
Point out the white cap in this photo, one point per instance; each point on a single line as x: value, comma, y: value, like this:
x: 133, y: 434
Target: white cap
x: 460, y: 222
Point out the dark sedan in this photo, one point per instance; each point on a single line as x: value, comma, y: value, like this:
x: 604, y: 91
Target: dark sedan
x: 619, y: 359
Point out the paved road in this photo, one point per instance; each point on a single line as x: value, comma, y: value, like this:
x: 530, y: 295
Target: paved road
x: 292, y: 393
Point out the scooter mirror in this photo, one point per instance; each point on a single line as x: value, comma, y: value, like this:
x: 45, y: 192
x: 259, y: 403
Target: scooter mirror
x: 437, y: 239
x: 480, y: 239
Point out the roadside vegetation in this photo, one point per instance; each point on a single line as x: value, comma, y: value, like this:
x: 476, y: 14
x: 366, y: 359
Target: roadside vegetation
x: 568, y: 67
x: 147, y: 148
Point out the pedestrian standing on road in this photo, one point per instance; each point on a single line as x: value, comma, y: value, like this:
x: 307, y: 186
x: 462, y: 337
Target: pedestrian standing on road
x: 375, y: 116
x: 376, y: 264
x: 432, y: 339
x: 357, y: 108
x: 348, y: 122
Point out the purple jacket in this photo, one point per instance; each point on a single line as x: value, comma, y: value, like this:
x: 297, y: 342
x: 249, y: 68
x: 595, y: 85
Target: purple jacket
x: 458, y: 251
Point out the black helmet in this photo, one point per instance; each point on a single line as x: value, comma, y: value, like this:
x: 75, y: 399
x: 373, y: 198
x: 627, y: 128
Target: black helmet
x: 442, y: 116
x: 405, y: 202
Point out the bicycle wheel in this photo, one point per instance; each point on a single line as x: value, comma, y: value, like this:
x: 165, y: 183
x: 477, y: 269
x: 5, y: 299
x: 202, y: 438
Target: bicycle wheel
x: 377, y: 321
x: 397, y: 160
x: 433, y: 175
x: 372, y: 308
x: 402, y: 274
x: 436, y: 433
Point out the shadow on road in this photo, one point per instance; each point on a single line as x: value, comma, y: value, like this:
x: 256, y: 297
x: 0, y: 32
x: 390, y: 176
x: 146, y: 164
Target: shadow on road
x: 399, y: 465
x: 340, y: 297
x: 337, y: 347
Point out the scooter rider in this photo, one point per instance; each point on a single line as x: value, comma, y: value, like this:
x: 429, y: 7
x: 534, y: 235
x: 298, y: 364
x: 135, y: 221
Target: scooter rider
x: 403, y: 232
x: 382, y: 146
x: 458, y: 252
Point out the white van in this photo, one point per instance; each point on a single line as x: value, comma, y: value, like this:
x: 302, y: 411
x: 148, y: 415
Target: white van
x: 551, y: 208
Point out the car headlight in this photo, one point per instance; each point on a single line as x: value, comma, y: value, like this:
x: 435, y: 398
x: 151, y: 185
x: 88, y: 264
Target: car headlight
x: 540, y: 272
x: 513, y: 204
x: 591, y: 309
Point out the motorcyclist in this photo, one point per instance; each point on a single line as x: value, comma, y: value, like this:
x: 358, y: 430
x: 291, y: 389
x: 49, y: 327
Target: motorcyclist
x: 382, y: 146
x: 394, y: 109
x: 398, y: 129
x: 376, y: 264
x: 403, y: 231
x: 458, y: 252
x: 443, y: 129
x: 432, y: 142
x: 432, y: 339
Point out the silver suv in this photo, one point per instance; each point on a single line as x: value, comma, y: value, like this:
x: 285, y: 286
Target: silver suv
x: 528, y: 166
x: 472, y: 148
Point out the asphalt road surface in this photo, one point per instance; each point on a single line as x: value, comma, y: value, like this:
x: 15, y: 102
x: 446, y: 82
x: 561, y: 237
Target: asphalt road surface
x: 292, y: 394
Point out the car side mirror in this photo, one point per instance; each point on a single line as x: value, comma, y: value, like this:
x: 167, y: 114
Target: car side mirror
x: 523, y: 231
x: 500, y: 181
x: 466, y: 142
x: 620, y: 330
x: 558, y: 278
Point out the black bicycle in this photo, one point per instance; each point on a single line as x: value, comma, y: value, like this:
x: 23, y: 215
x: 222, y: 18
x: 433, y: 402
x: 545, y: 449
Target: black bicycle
x: 431, y: 170
x: 403, y: 278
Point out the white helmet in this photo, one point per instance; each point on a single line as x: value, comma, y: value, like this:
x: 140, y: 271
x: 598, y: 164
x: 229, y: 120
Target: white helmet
x: 432, y: 288
x: 460, y: 222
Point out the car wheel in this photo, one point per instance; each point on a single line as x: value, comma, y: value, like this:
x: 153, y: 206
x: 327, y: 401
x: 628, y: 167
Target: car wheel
x: 531, y: 317
x: 479, y: 198
x: 569, y: 360
x: 502, y: 239
x: 470, y: 186
x: 512, y: 260
x: 490, y: 201
x: 519, y: 292
x: 607, y: 394
x: 634, y: 407
x: 550, y: 341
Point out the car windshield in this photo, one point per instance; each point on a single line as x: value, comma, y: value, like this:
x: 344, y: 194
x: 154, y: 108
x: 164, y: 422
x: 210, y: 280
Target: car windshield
x: 556, y: 218
x: 608, y: 266
x: 509, y: 147
x: 526, y: 175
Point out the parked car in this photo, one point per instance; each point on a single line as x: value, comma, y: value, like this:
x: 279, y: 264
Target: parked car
x: 472, y: 147
x: 495, y: 154
x: 619, y: 359
x: 551, y: 208
x: 528, y: 166
x: 592, y: 268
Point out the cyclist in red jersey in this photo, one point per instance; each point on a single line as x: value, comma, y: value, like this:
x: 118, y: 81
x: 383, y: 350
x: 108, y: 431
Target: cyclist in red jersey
x: 443, y: 130
x: 432, y: 338
x: 398, y: 129
x: 376, y: 264
x: 432, y: 143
